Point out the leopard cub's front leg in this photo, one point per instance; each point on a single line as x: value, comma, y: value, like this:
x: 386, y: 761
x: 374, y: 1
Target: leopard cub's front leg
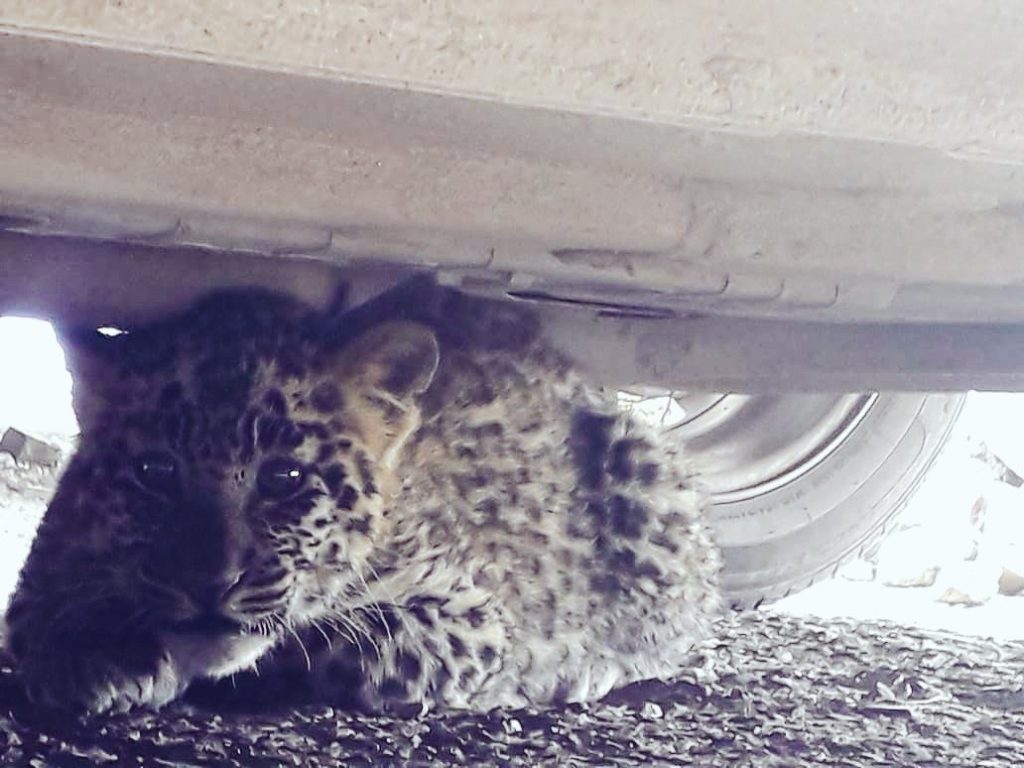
x: 89, y: 657
x: 444, y: 649
x: 103, y: 658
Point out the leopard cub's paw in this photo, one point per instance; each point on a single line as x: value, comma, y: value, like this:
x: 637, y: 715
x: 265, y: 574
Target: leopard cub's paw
x: 119, y: 691
x: 94, y: 683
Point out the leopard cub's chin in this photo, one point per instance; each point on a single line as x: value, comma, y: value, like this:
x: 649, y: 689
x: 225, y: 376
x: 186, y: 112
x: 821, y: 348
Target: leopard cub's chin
x: 197, y: 655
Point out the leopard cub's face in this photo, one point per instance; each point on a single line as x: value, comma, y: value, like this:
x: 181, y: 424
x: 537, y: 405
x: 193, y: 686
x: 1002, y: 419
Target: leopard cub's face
x: 229, y: 479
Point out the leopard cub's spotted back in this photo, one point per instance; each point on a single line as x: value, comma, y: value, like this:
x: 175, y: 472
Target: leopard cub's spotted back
x: 417, y: 502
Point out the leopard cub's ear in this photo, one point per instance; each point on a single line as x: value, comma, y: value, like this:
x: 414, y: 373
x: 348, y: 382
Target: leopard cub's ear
x: 399, y: 358
x: 91, y: 359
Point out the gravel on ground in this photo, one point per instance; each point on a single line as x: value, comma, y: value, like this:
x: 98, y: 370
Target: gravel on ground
x: 768, y: 690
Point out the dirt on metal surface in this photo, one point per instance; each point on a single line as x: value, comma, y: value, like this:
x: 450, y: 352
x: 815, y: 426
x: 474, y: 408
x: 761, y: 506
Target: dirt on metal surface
x: 769, y: 690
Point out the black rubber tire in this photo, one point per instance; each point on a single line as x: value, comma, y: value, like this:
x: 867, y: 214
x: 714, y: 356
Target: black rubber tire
x: 849, y: 500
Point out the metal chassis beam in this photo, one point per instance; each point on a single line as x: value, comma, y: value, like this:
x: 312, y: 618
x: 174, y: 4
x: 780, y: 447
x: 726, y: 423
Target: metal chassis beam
x: 81, y: 281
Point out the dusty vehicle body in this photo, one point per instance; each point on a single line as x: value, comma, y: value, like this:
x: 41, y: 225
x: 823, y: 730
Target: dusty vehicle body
x: 715, y: 198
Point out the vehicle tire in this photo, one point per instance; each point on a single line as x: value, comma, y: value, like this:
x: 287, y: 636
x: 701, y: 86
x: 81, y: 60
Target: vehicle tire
x: 803, y: 482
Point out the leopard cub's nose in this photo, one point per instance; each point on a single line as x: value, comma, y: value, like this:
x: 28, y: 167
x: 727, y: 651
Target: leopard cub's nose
x: 232, y: 580
x: 212, y: 594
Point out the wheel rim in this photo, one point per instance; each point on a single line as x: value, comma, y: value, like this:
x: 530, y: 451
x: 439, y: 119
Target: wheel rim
x: 744, y: 446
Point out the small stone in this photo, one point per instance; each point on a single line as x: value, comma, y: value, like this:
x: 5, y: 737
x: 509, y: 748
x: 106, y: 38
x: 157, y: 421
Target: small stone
x: 954, y: 596
x: 1010, y: 583
x: 651, y: 711
x: 28, y: 449
x: 924, y: 578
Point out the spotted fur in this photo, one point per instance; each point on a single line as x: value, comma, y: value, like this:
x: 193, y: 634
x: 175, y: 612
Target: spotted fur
x: 417, y: 503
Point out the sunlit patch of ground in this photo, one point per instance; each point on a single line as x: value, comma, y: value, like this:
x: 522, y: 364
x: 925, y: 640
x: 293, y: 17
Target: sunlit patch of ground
x: 956, y: 558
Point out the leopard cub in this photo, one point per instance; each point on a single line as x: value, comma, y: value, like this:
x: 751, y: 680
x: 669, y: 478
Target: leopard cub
x: 416, y: 503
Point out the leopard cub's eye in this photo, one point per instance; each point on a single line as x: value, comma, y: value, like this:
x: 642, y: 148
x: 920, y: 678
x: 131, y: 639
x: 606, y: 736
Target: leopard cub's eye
x: 279, y: 478
x: 157, y: 472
